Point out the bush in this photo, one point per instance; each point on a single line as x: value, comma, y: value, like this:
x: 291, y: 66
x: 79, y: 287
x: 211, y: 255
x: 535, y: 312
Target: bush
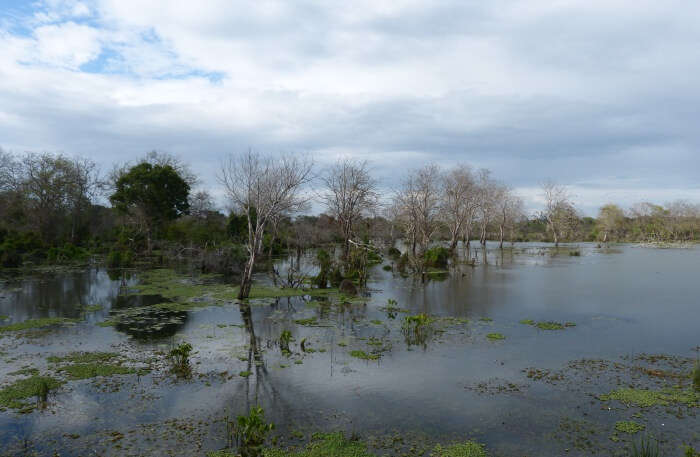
x: 17, y: 246
x: 180, y: 358
x: 393, y: 253
x: 119, y: 258
x: 436, y: 257
x: 251, y: 431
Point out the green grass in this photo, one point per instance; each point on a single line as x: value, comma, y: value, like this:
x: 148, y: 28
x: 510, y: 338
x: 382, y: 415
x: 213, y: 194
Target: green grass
x: 630, y: 427
x: 495, y: 336
x: 644, y: 398
x: 15, y: 395
x: 36, y: 323
x: 28, y: 371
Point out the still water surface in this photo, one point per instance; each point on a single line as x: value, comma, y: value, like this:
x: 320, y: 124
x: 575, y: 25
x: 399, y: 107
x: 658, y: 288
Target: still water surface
x: 626, y: 301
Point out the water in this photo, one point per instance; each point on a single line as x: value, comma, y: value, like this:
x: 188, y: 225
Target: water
x: 626, y: 301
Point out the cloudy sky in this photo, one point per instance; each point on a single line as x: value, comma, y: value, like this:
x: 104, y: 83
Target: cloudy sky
x: 601, y: 95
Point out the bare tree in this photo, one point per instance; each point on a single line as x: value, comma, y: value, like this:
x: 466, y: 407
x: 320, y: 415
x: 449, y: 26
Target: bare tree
x: 558, y: 209
x: 350, y: 192
x: 510, y: 210
x: 459, y: 202
x: 201, y: 203
x: 418, y: 204
x: 263, y: 189
x: 487, y: 193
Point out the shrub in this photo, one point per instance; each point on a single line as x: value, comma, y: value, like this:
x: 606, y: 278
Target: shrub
x: 393, y: 253
x: 180, y: 358
x: 436, y: 257
x: 250, y: 432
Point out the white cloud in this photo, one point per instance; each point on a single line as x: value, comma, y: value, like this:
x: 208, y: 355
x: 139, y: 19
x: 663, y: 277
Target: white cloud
x: 569, y: 89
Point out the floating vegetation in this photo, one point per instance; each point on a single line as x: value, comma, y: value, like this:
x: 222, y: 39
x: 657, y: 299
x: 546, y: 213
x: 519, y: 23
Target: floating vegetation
x: 83, y: 357
x: 485, y: 319
x: 549, y: 325
x: 93, y: 308
x: 245, y: 374
x: 324, y: 445
x: 180, y: 359
x: 696, y: 377
x: 92, y: 370
x: 376, y: 322
x: 26, y: 371
x: 528, y: 322
x: 629, y: 427
x: 391, y: 309
x: 359, y: 354
x: 644, y: 398
x: 495, y: 336
x: 36, y: 323
x: 308, y: 322
x: 468, y: 449
x: 148, y: 321
x: 15, y: 395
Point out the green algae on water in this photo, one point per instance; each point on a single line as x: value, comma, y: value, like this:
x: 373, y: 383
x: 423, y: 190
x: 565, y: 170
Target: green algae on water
x: 645, y: 398
x: 36, y: 323
x: 359, y: 354
x: 629, y: 427
x: 15, y: 395
x: 495, y: 336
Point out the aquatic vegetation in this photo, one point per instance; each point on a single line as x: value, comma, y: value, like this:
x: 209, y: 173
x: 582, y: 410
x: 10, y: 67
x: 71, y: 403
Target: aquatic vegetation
x: 285, y: 339
x: 550, y: 325
x: 83, y: 357
x: 495, y: 336
x: 575, y: 253
x: 324, y: 445
x: 14, y: 396
x: 93, y: 308
x: 690, y: 452
x: 91, y: 370
x: 696, y: 377
x: 647, y: 448
x: 251, y: 431
x: 485, y: 319
x: 36, y: 323
x: 644, y: 398
x: 417, y: 329
x: 376, y: 322
x: 245, y: 374
x: 387, y: 268
x: 309, y: 322
x: 630, y: 427
x: 180, y: 358
x: 27, y: 371
x: 468, y: 449
x: 359, y: 354
x: 528, y: 322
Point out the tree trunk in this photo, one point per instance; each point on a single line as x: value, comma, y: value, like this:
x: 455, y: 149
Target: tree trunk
x: 246, y: 278
x: 501, y: 243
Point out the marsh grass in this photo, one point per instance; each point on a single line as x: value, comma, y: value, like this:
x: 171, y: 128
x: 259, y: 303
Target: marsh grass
x: 15, y: 395
x: 36, y: 323
x: 647, y: 447
x: 180, y: 359
x: 417, y: 329
x: 696, y: 377
x: 251, y: 431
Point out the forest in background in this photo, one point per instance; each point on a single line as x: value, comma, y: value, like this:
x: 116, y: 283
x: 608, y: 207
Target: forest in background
x: 55, y: 209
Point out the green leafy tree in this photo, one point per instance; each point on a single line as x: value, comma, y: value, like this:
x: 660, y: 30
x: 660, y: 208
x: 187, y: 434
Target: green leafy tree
x: 153, y: 194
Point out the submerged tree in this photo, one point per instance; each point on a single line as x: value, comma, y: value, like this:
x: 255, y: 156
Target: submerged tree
x: 152, y: 194
x: 459, y: 203
x: 559, y: 210
x: 263, y: 189
x: 349, y: 193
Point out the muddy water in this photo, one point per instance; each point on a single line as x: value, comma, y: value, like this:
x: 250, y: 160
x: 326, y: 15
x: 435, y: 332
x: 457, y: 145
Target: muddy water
x: 626, y: 302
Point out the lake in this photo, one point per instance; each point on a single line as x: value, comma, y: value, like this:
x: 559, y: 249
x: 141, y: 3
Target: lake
x: 522, y: 352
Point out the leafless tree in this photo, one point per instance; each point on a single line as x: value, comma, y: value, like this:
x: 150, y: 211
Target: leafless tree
x: 263, y: 188
x: 487, y: 206
x: 559, y: 209
x: 510, y: 211
x: 201, y: 203
x: 350, y: 192
x: 459, y: 202
x: 418, y: 204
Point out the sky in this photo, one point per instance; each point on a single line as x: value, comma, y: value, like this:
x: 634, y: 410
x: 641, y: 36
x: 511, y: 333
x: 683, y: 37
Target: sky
x: 600, y: 95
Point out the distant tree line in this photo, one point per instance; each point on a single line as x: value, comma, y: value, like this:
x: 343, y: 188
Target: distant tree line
x: 55, y: 208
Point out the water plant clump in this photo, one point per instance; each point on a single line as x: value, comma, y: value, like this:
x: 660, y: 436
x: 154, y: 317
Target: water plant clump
x: 83, y: 357
x: 550, y: 325
x: 495, y: 336
x: 91, y: 370
x: 325, y: 445
x: 696, y: 377
x: 359, y: 354
x: 285, y: 339
x: 645, y: 398
x: 417, y: 329
x: 468, y: 449
x: 528, y: 322
x: 36, y: 323
x: 647, y: 448
x: 15, y: 395
x: 180, y: 358
x: 629, y: 427
x: 251, y: 431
